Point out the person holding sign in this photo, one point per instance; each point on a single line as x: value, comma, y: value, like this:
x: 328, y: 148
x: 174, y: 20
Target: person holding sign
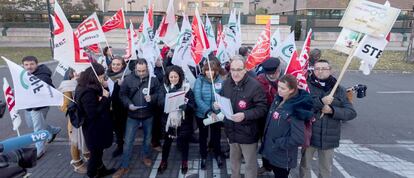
x: 140, y: 101
x: 204, y: 97
x: 249, y: 104
x: 326, y: 131
x: 285, y: 125
x: 179, y: 121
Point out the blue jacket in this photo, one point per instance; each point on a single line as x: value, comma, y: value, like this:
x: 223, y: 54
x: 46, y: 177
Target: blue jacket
x: 204, y: 96
x: 284, y: 129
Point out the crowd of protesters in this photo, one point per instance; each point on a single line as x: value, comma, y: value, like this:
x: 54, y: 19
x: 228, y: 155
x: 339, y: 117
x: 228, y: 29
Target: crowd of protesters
x: 271, y: 114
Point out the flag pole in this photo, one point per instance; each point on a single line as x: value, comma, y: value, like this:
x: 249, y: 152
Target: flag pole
x: 346, y: 65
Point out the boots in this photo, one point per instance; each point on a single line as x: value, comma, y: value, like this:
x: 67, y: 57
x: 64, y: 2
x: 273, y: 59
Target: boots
x: 118, y: 150
x: 163, y: 167
x: 184, y: 167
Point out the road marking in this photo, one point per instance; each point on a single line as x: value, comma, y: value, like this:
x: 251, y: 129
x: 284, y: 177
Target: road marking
x: 157, y: 163
x: 228, y: 165
x: 341, y: 169
x: 191, y: 170
x: 201, y: 173
x: 395, y: 92
x: 377, y: 159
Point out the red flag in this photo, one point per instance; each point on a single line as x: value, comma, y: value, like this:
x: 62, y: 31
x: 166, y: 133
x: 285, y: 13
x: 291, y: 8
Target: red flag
x: 94, y: 48
x: 162, y: 29
x: 80, y: 55
x: 261, y: 50
x: 298, y: 67
x: 219, y: 31
x: 200, y: 41
x: 150, y: 19
x: 116, y: 21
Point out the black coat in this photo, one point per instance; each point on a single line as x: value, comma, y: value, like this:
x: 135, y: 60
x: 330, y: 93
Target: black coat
x: 326, y: 132
x: 186, y: 128
x: 97, y: 127
x: 133, y: 90
x: 284, y: 129
x: 249, y: 98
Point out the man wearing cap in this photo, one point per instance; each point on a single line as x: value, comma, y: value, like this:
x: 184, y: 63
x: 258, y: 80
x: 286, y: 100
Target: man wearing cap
x: 269, y: 78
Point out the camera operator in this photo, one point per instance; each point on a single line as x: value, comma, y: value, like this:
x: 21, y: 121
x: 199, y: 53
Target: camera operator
x: 326, y: 131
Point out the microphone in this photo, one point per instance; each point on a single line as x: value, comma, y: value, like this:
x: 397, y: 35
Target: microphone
x: 23, y: 141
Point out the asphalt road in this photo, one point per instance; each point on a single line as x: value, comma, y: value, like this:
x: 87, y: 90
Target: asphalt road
x: 378, y: 143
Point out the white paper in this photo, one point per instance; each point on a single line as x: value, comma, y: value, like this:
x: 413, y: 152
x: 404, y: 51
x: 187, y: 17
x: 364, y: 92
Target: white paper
x: 173, y: 101
x: 111, y: 85
x: 225, y: 106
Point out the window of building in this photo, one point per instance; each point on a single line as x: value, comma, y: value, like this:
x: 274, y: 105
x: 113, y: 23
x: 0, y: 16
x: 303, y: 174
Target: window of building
x: 238, y: 5
x: 215, y: 4
x: 192, y: 4
x: 274, y: 1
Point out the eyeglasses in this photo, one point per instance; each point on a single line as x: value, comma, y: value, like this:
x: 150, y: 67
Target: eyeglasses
x: 141, y: 71
x: 322, y: 68
x: 236, y: 70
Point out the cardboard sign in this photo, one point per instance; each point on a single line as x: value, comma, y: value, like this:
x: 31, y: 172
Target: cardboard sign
x: 347, y: 39
x: 369, y: 17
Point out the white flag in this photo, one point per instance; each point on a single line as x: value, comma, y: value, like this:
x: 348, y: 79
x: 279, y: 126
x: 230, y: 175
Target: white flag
x: 286, y: 49
x: 10, y: 101
x: 65, y: 50
x: 210, y: 35
x: 275, y: 43
x: 222, y: 54
x: 168, y: 30
x: 369, y: 51
x: 147, y: 46
x: 182, y: 52
x: 30, y: 91
x: 231, y: 35
x: 61, y: 69
x: 90, y: 32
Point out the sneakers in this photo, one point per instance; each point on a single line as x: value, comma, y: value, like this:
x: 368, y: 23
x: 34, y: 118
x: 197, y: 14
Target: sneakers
x: 56, y: 131
x: 79, y: 166
x: 147, y: 162
x: 121, y: 172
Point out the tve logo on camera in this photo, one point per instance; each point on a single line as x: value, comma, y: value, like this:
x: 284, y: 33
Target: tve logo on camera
x: 39, y: 136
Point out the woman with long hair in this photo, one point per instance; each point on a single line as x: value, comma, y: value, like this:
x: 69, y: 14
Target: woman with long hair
x: 115, y: 72
x: 285, y: 124
x: 179, y: 123
x: 97, y: 127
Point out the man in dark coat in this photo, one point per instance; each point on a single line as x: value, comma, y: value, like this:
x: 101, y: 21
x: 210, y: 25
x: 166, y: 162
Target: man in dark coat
x: 326, y: 131
x: 140, y: 98
x: 249, y: 105
x: 36, y: 117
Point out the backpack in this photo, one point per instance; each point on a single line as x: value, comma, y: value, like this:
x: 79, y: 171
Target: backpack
x: 76, y: 114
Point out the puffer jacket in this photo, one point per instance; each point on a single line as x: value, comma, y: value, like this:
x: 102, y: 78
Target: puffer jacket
x: 247, y: 97
x: 204, y: 96
x: 326, y: 131
x: 284, y: 129
x: 133, y: 90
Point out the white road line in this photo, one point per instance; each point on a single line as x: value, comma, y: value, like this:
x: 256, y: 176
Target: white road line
x: 341, y: 169
x: 157, y: 163
x: 377, y: 159
x: 313, y: 175
x: 228, y: 165
x: 191, y: 169
x: 395, y: 92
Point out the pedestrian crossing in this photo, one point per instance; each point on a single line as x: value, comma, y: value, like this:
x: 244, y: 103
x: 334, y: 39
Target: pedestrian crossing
x: 351, y: 160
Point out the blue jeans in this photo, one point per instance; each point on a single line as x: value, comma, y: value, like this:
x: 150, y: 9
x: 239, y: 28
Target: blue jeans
x: 130, y: 133
x: 36, y: 120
